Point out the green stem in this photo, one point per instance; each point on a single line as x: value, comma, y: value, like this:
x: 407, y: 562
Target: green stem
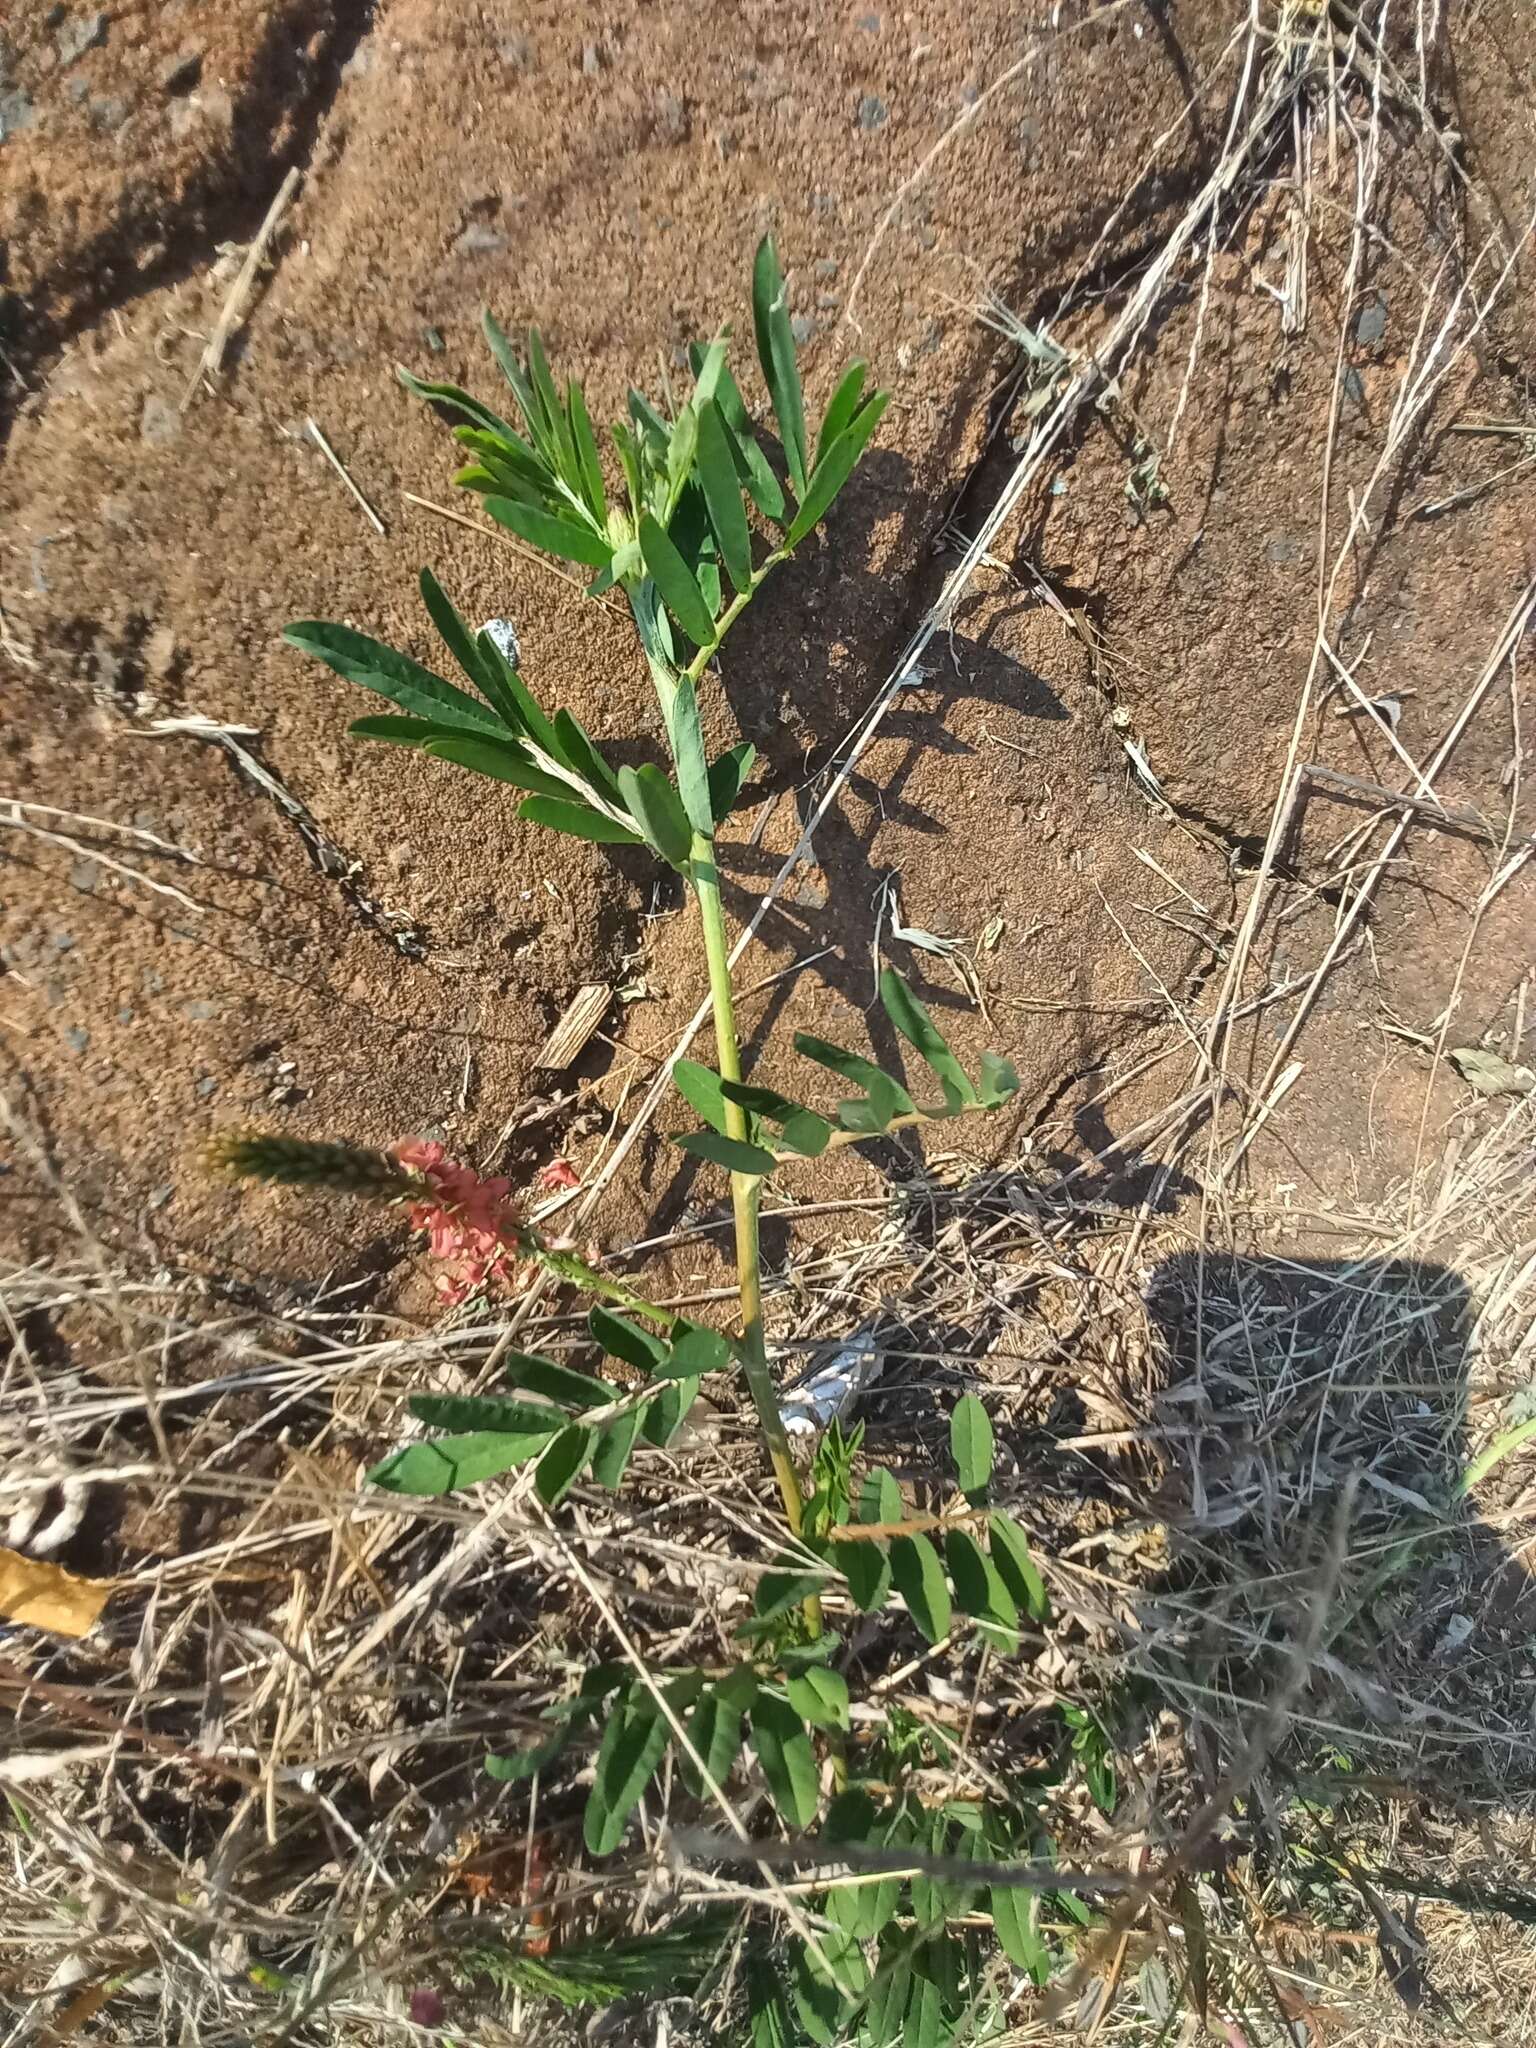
x: 746, y: 1189
x: 733, y: 611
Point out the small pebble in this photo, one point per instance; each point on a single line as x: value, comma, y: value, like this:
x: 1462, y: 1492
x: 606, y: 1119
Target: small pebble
x: 824, y: 203
x: 479, y: 240
x: 77, y: 1038
x: 63, y: 942
x: 84, y: 875
x: 159, y: 421
x: 76, y: 37
x: 1281, y: 548
x: 871, y: 111
x: 516, y: 52
x: 432, y: 336
x: 206, y: 1086
x: 672, y: 118
x: 1371, y: 322
x: 162, y: 1195
x: 16, y: 112
x: 591, y: 59
x: 826, y: 269
x: 109, y: 114
x: 802, y: 327
x: 200, y: 1010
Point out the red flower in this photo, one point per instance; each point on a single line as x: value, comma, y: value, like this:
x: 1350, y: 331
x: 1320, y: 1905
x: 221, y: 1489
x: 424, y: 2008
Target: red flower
x: 469, y: 1222
x: 559, y: 1174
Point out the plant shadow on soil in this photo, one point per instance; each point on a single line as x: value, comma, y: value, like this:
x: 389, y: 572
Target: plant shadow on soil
x: 1304, y: 1432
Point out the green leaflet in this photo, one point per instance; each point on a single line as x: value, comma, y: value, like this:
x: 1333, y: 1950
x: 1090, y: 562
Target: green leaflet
x: 526, y: 1763
x: 460, y: 401
x: 920, y: 1581
x: 970, y: 1442
x: 696, y: 1349
x: 627, y: 1340
x: 485, y: 1412
x: 980, y: 1590
x: 456, y: 637
x: 562, y: 1462
x: 844, y: 404
x: 776, y: 353
x: 716, y: 1729
x: 834, y: 468
x: 789, y: 1763
x: 653, y: 803
x: 555, y: 535
x: 919, y: 1030
x: 819, y: 1696
x: 731, y: 1153
x: 666, y: 1414
x: 633, y: 1745
x: 726, y: 777
x: 887, y: 1098
x: 616, y: 1440
x: 767, y: 2007
x: 395, y: 676
x: 449, y: 1462
x: 1014, y: 1912
x: 577, y: 821
x: 688, y: 752
x: 558, y: 1382
x: 700, y: 1088
x: 1016, y: 1566
x: 676, y: 582
x: 867, y: 1566
x: 722, y: 494
x: 504, y: 761
x: 588, y: 461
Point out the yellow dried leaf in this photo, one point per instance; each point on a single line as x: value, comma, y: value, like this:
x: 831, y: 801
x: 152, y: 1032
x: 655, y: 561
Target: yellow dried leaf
x: 41, y: 1594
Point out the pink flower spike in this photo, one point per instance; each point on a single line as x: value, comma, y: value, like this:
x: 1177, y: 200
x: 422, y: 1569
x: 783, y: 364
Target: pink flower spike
x: 469, y: 1223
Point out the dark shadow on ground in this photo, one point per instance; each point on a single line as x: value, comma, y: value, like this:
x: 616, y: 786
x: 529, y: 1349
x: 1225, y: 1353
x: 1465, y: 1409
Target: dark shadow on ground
x: 1313, y: 1422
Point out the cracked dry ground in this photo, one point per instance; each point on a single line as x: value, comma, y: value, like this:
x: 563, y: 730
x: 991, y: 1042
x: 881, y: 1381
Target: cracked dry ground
x: 367, y: 946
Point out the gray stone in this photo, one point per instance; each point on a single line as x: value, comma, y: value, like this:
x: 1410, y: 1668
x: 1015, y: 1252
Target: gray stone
x: 673, y: 122
x: 1281, y: 548
x: 162, y: 1195
x: 180, y: 73
x: 478, y: 239
x: 826, y: 269
x: 503, y: 636
x: 200, y: 1010
x: 109, y: 113
x: 871, y: 111
x: 16, y: 112
x: 802, y: 327
x: 159, y: 421
x: 591, y: 59
x: 77, y: 1038
x: 77, y: 89
x: 63, y: 942
x: 516, y: 52
x: 206, y: 1086
x: 84, y: 875
x: 1371, y: 321
x: 75, y: 37
x: 824, y: 203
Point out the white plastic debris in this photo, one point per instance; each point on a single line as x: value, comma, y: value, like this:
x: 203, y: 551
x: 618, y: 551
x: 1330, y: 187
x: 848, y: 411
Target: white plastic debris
x: 503, y: 634
x: 828, y: 1393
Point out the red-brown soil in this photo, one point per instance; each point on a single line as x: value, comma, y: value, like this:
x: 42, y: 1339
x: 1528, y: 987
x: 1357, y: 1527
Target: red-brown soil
x: 608, y: 179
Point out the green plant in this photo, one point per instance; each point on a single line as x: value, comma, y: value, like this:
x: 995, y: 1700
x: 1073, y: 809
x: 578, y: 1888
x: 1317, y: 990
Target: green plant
x: 702, y: 519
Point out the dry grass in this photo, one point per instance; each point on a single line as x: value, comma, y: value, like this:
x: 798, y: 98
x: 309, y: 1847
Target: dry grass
x: 250, y: 1806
